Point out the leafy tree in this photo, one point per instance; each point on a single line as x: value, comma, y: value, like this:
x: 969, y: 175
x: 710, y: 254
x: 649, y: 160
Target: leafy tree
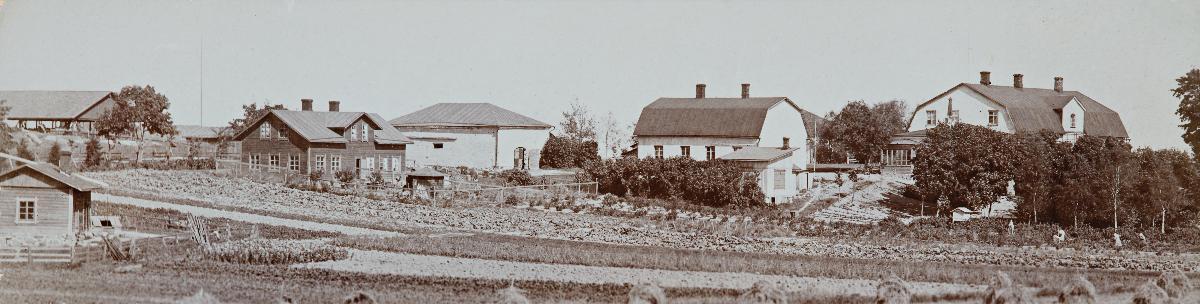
x: 577, y: 123
x: 616, y: 136
x: 964, y: 164
x: 715, y: 183
x: 139, y: 111
x: 864, y: 130
x: 1188, y: 93
x: 1034, y: 180
x: 24, y: 150
x: 6, y: 132
x: 1162, y: 196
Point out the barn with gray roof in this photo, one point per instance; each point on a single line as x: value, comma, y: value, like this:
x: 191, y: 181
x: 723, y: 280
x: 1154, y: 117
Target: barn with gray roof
x: 70, y: 111
x: 473, y: 134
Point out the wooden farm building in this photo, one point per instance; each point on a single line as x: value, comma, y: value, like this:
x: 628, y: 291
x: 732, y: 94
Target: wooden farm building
x: 39, y: 202
x: 68, y: 111
x: 307, y: 141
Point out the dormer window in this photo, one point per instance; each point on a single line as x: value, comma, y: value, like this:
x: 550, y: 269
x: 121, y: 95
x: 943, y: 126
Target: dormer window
x: 365, y: 131
x: 264, y: 131
x: 1072, y: 120
x: 930, y: 117
x: 353, y: 134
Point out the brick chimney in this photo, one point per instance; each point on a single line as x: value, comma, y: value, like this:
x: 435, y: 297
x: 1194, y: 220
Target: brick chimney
x: 1058, y: 84
x: 985, y: 78
x: 64, y: 160
x: 786, y: 143
x: 306, y: 104
x: 335, y: 106
x: 1017, y: 81
x: 700, y: 90
x: 745, y: 90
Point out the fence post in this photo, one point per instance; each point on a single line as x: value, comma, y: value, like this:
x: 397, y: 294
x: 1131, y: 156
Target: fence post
x: 29, y: 254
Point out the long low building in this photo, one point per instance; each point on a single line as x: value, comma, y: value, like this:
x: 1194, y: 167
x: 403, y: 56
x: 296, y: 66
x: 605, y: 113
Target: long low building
x: 68, y: 111
x: 477, y: 135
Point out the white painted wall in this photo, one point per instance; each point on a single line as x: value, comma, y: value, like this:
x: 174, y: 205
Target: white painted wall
x: 792, y: 182
x: 1073, y: 107
x: 783, y: 120
x: 671, y: 145
x: 972, y: 108
x: 474, y: 148
x: 531, y: 139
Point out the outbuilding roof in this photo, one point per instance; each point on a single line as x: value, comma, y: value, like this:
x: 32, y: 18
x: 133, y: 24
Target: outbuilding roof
x: 52, y: 172
x: 714, y: 117
x: 759, y: 154
x: 318, y: 126
x: 51, y: 105
x: 812, y: 123
x: 1033, y: 109
x: 199, y: 132
x: 467, y: 114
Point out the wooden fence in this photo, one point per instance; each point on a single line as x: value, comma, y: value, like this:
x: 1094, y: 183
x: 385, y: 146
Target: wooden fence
x: 31, y: 255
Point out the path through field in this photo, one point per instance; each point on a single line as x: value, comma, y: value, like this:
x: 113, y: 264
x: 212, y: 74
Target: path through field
x: 376, y: 262
x: 241, y: 216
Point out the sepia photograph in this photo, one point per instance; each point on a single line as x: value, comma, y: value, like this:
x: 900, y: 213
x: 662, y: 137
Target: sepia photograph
x: 641, y: 152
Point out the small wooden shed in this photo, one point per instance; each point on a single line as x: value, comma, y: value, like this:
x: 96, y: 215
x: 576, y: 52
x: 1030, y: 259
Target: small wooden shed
x: 425, y: 178
x: 37, y: 201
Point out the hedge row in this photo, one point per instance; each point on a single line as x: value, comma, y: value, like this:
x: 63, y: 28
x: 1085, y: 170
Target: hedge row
x: 714, y: 183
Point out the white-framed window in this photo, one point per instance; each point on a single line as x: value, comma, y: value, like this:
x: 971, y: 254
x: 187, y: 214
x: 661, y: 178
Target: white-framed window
x: 780, y: 179
x: 658, y: 152
x: 282, y: 134
x: 1072, y: 120
x: 273, y: 160
x: 26, y: 210
x: 686, y: 151
x: 710, y: 152
x: 993, y: 117
x: 255, y: 161
x: 294, y: 162
x: 366, y: 131
x: 395, y: 163
x: 930, y: 117
x: 353, y: 133
x: 335, y: 163
x: 319, y: 162
x: 264, y: 131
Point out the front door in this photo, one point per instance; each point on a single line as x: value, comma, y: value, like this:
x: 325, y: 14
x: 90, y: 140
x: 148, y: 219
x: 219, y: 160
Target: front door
x: 358, y: 162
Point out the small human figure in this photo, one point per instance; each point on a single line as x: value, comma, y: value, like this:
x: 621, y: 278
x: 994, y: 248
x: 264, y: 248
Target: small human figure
x: 1012, y: 228
x: 1117, y: 239
x: 1061, y: 236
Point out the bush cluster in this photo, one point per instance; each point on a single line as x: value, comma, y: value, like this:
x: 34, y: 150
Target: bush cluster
x: 562, y: 152
x: 714, y: 183
x: 174, y: 164
x: 270, y: 251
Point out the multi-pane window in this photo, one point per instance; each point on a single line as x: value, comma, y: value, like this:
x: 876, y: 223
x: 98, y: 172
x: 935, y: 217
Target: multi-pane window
x: 335, y: 162
x: 658, y: 152
x: 930, y: 117
x: 780, y: 179
x: 365, y: 131
x: 353, y: 134
x: 264, y: 131
x: 395, y: 163
x: 710, y: 152
x: 254, y: 161
x: 26, y: 210
x: 294, y: 162
x: 1072, y: 120
x: 319, y: 162
x: 282, y: 134
x: 993, y: 117
x: 686, y: 151
x: 273, y: 160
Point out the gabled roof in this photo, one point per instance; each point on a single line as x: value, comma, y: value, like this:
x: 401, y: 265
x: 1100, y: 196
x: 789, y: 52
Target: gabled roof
x: 759, y: 154
x: 715, y: 117
x: 199, y: 132
x: 1033, y: 109
x: 467, y: 114
x: 50, y: 105
x: 318, y: 127
x: 812, y: 123
x: 52, y: 172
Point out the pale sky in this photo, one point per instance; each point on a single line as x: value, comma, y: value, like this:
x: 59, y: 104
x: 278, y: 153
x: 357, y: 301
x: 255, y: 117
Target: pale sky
x: 536, y: 57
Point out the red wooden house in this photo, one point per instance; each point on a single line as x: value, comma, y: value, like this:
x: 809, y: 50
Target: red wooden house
x: 308, y: 141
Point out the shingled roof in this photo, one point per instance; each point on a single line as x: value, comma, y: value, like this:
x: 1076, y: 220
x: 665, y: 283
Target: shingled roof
x: 53, y: 173
x: 50, y: 105
x: 1033, y: 109
x: 812, y: 123
x: 318, y: 126
x: 199, y: 132
x: 479, y: 114
x: 715, y: 117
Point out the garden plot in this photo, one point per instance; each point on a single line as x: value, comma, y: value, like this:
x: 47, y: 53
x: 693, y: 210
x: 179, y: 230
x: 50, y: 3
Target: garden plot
x: 861, y: 204
x: 375, y: 262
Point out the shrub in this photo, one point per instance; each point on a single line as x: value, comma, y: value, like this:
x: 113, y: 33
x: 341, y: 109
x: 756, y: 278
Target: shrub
x: 563, y: 152
x: 24, y: 151
x: 763, y: 292
x: 92, y: 153
x: 646, y: 294
x: 714, y: 183
x: 376, y: 177
x: 345, y: 176
x: 514, y: 177
x: 270, y: 251
x: 55, y: 153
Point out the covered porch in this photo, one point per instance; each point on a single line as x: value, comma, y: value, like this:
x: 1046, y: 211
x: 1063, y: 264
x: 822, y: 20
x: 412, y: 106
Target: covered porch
x: 902, y: 148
